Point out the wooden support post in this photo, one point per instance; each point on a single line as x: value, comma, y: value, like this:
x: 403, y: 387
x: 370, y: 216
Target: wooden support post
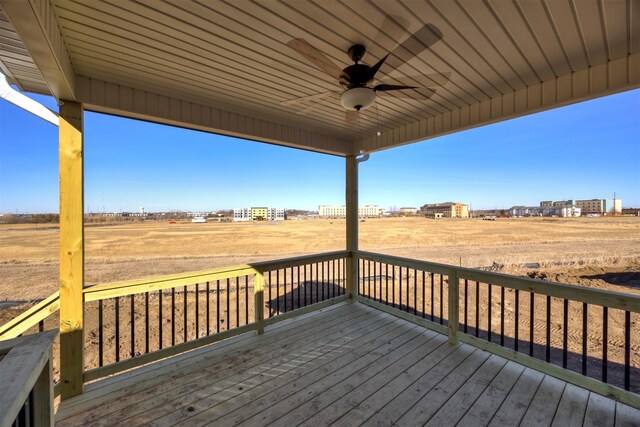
x: 71, y: 249
x: 258, y: 291
x: 352, y: 226
x: 454, y: 306
x: 43, y: 395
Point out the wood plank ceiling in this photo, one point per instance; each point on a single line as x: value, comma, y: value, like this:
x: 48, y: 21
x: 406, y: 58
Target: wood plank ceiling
x: 234, y: 54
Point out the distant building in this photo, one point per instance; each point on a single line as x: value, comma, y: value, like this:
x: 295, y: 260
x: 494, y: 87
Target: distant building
x: 408, y: 210
x: 334, y: 211
x: 600, y: 206
x: 259, y: 214
x: 445, y: 210
x: 591, y: 206
x: 560, y: 210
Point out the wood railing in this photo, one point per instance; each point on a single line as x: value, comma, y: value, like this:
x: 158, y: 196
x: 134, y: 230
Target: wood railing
x: 31, y: 318
x: 560, y: 329
x: 131, y: 323
x: 128, y: 324
x: 25, y: 377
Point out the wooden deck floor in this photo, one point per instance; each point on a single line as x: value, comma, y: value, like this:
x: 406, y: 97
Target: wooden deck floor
x: 345, y: 365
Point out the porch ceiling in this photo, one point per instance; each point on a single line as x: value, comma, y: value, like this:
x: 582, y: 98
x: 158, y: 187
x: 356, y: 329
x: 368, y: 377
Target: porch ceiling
x: 225, y: 66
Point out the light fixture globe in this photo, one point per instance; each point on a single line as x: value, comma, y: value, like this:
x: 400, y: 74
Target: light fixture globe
x: 358, y: 98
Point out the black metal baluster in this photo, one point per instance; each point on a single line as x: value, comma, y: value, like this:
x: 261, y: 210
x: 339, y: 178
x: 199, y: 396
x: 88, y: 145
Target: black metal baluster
x: 218, y: 305
x: 160, y: 319
x: 322, y: 281
x: 100, y: 334
x: 270, y: 299
x: 441, y: 299
x: 278, y: 291
x: 173, y: 316
x: 375, y: 282
x: 290, y: 294
x: 605, y: 342
x: 305, y: 285
x: 466, y: 305
x: 531, y: 319
x: 146, y: 322
x: 433, y: 297
x: 584, y: 338
x: 369, y: 278
x: 415, y: 292
x: 299, y: 287
x: 627, y: 350
x: 238, y: 302
x: 489, y: 292
x: 565, y: 331
x: 117, y: 315
x: 184, y: 315
x: 502, y: 316
x: 133, y: 328
x: 424, y: 297
x: 393, y: 288
x: 477, y: 309
x: 208, y: 309
x: 387, y: 283
x: 516, y: 325
x: 548, y: 350
x: 399, y: 287
x: 197, y: 310
x: 246, y: 299
x: 228, y: 305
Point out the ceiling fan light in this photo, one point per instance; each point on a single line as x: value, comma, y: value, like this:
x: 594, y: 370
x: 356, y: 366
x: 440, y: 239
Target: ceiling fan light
x: 358, y: 98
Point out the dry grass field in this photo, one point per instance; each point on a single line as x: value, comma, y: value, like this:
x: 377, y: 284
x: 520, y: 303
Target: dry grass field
x: 596, y: 252
x: 29, y: 254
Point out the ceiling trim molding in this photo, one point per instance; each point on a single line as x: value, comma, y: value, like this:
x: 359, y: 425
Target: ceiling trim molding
x: 37, y: 26
x: 612, y: 77
x: 115, y: 99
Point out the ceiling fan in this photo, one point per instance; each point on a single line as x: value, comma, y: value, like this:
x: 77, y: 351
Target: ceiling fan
x: 358, y: 91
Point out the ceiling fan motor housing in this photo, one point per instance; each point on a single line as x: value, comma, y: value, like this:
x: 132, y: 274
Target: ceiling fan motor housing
x: 357, y: 75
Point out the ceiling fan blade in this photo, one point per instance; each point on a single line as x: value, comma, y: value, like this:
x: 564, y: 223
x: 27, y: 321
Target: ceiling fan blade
x: 437, y: 79
x: 351, y: 116
x: 315, y: 56
x: 313, y: 97
x: 422, y: 39
x: 386, y: 88
x: 418, y: 94
x: 373, y: 70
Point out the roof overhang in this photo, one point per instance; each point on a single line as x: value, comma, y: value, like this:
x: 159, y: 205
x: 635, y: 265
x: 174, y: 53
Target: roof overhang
x: 226, y: 67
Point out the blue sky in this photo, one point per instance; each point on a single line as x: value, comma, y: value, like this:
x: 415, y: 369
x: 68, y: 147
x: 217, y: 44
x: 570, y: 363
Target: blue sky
x: 586, y: 150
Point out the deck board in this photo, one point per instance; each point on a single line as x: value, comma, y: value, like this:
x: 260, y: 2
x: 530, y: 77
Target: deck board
x: 345, y: 365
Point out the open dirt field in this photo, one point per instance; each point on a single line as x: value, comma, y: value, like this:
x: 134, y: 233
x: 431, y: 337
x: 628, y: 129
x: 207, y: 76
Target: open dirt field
x: 570, y: 248
x: 596, y: 252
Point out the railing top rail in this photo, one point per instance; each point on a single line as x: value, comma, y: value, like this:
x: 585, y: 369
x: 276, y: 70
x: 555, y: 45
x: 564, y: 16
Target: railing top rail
x: 20, y: 368
x: 129, y: 287
x: 612, y: 299
x: 299, y: 260
x: 30, y: 317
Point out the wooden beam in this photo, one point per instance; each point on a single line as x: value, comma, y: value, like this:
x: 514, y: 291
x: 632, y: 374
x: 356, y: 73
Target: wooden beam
x: 71, y: 249
x: 200, y: 114
x: 351, y: 196
x: 37, y: 26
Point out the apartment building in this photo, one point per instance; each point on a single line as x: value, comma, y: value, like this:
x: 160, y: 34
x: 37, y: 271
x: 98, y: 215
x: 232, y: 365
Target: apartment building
x: 445, y: 210
x: 335, y: 211
x: 259, y: 214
